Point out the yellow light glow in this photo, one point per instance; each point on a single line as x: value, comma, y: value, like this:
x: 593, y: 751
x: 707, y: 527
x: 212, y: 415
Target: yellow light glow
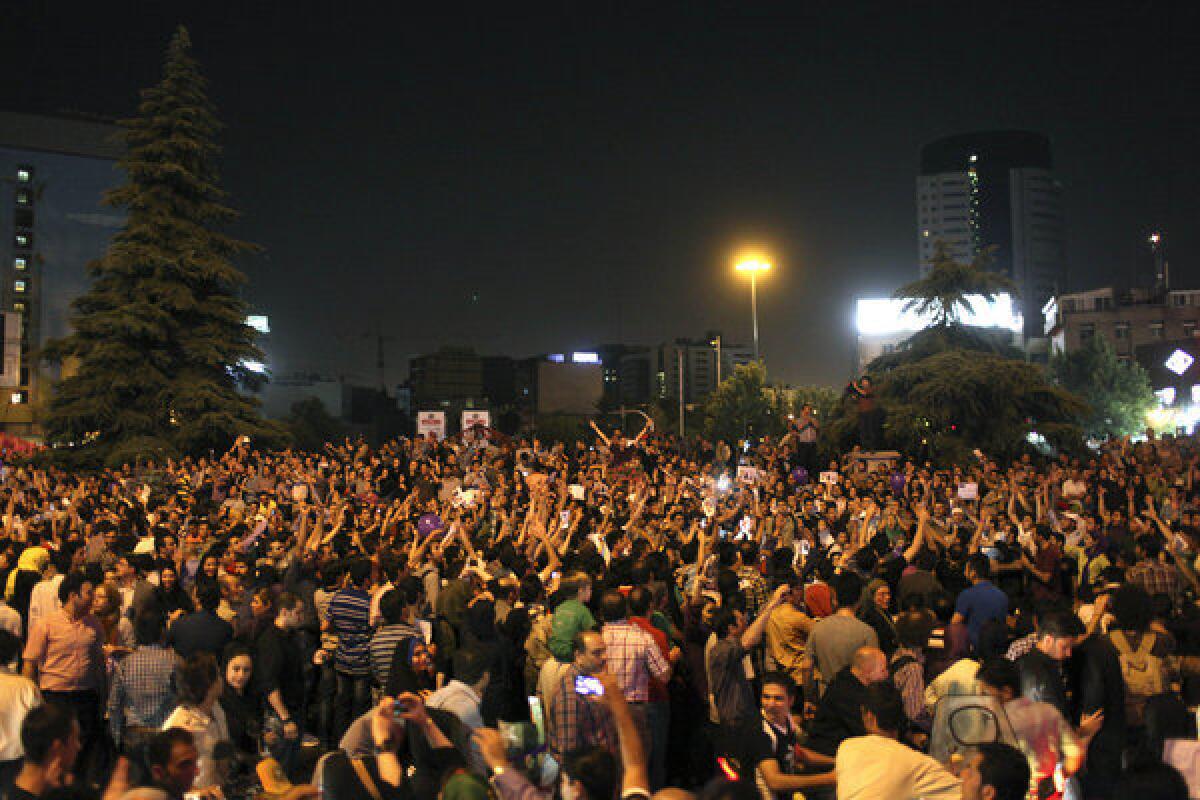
x: 753, y: 265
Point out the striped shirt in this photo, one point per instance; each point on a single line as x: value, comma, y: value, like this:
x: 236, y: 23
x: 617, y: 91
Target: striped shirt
x: 383, y: 648
x: 350, y: 615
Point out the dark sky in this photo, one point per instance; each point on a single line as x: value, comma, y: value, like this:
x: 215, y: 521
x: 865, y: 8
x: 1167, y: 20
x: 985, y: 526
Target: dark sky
x: 536, y: 180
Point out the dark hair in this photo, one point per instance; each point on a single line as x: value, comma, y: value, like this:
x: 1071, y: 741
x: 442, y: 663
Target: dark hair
x: 1150, y: 545
x: 158, y: 747
x: 848, y: 588
x: 42, y: 727
x: 574, y: 583
x: 233, y: 650
x: 639, y: 601
x: 1132, y: 608
x: 883, y: 700
x: 286, y: 601
x: 1005, y: 769
x: 391, y: 606
x: 1059, y: 624
x: 195, y: 677
x: 71, y: 584
x: 579, y: 643
x: 1148, y: 781
x: 980, y: 565
x: 470, y: 665
x: 10, y: 647
x: 148, y: 626
x: 722, y: 620
x: 912, y: 628
x: 613, y: 606
x: 208, y: 595
x: 360, y: 571
x: 595, y: 768
x: 1000, y: 673
x: 778, y: 678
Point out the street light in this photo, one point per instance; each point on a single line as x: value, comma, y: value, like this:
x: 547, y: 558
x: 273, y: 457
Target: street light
x: 754, y: 266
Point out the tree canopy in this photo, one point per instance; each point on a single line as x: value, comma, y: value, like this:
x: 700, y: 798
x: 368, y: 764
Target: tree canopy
x: 155, y: 360
x: 943, y: 294
x: 741, y: 407
x: 1118, y: 394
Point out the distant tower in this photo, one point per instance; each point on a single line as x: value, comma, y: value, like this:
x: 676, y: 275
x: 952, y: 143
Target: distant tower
x: 996, y: 188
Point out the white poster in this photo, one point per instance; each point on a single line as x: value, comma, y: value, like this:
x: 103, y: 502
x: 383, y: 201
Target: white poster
x: 431, y: 422
x: 472, y: 418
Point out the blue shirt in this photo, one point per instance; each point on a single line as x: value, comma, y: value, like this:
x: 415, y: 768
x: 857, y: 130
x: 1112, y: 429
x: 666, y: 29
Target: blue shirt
x: 979, y: 605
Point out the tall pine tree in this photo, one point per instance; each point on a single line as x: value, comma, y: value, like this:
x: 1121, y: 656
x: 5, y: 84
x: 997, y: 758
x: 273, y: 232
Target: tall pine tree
x: 154, y: 363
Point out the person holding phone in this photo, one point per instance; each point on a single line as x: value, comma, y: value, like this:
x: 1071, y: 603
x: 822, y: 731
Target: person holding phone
x: 578, y: 717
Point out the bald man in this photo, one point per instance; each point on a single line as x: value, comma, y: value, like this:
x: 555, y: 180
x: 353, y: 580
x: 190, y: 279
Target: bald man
x: 839, y: 713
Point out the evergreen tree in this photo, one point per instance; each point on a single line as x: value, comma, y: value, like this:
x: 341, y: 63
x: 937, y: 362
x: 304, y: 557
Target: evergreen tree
x: 944, y: 292
x: 1119, y: 395
x: 154, y: 363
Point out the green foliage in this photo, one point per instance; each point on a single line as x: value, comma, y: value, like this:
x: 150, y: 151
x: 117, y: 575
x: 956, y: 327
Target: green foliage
x: 154, y: 360
x: 741, y: 406
x: 952, y: 389
x: 1118, y: 395
x: 311, y: 425
x: 824, y: 400
x: 942, y: 293
x: 938, y: 339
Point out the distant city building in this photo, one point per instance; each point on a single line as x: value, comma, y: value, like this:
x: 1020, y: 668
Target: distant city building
x: 449, y: 379
x: 1128, y: 319
x: 559, y: 384
x: 52, y: 224
x: 654, y: 373
x: 283, y: 391
x: 996, y: 188
x: 883, y: 325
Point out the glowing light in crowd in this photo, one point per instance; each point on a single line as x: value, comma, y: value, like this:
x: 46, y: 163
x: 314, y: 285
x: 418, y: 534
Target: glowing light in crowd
x: 877, y: 316
x: 1179, y: 362
x: 1166, y: 396
x: 255, y: 366
x: 585, y: 358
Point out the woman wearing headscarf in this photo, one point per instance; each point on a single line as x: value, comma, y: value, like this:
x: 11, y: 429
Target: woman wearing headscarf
x: 874, y: 608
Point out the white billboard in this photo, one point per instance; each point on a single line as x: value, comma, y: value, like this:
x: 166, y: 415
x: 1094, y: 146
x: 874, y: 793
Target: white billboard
x: 883, y: 316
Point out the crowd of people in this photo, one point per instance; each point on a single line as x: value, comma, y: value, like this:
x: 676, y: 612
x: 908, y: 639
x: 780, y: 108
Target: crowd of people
x: 612, y: 617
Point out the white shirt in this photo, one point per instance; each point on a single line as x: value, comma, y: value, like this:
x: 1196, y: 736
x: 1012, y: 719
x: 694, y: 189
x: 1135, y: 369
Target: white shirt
x: 206, y: 731
x: 18, y: 695
x: 10, y: 619
x: 875, y: 767
x: 43, y: 600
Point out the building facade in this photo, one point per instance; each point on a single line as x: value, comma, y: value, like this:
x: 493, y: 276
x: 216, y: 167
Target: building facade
x: 655, y: 373
x: 996, y: 189
x: 1128, y: 319
x: 53, y: 174
x: 449, y: 379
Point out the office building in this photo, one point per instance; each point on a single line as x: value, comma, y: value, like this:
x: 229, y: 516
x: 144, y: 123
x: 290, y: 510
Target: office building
x: 996, y: 188
x: 1128, y: 319
x: 450, y: 379
x: 53, y: 172
x: 657, y: 373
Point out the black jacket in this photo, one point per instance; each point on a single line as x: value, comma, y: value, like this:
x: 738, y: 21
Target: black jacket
x: 839, y: 713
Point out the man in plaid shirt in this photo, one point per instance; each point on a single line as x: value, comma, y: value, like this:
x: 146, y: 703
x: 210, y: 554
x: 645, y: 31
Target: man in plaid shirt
x: 579, y: 720
x: 1151, y: 573
x: 142, y: 694
x: 632, y: 655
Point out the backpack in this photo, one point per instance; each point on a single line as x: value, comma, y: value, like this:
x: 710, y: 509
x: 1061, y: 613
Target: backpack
x: 1143, y: 673
x: 899, y: 664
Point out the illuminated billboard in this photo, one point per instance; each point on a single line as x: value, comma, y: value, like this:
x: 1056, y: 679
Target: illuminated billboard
x: 883, y: 316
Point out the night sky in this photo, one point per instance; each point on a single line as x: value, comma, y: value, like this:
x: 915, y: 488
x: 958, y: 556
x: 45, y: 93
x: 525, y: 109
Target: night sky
x: 539, y: 180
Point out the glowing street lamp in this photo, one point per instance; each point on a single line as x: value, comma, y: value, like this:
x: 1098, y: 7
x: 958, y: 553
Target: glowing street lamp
x: 754, y: 266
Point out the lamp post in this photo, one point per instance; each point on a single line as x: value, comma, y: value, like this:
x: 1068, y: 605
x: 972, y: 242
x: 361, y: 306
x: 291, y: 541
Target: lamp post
x: 716, y: 342
x: 754, y: 266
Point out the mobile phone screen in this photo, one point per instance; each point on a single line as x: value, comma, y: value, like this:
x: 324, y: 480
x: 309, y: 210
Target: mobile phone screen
x: 588, y: 686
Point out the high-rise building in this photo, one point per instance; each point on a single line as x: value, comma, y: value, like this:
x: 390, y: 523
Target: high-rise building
x: 996, y: 188
x: 53, y: 173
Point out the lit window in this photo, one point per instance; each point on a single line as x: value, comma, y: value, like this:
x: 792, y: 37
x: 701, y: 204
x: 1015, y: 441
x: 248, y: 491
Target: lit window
x: 22, y: 197
x: 973, y: 158
x: 24, y: 174
x: 1121, y: 331
x: 19, y: 286
x: 23, y: 239
x: 19, y: 308
x: 21, y: 263
x: 1156, y: 330
x: 925, y: 234
x: 1189, y: 328
x: 16, y: 398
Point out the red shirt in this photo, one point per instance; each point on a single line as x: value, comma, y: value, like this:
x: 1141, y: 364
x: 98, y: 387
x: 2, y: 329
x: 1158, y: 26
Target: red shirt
x: 658, y: 689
